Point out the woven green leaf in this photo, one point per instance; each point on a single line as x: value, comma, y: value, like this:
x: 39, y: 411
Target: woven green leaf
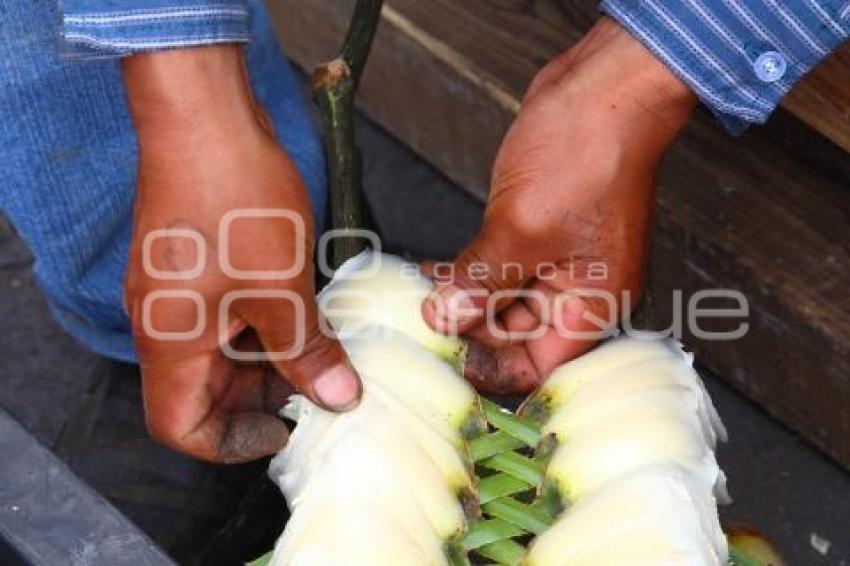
x: 492, y: 444
x: 500, y: 485
x: 505, y: 552
x: 521, y: 515
x: 502, y: 419
x: 510, y: 480
x: 517, y: 465
x: 490, y: 531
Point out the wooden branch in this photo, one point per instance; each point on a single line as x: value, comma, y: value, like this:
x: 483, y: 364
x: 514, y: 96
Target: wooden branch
x: 334, y: 87
x: 358, y: 41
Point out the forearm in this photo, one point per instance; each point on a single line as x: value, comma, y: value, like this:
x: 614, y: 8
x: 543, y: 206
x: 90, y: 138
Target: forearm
x: 187, y: 93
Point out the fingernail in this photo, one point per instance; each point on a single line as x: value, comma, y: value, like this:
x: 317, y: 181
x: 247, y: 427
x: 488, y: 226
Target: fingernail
x: 338, y: 388
x: 480, y: 364
x: 250, y: 436
x: 504, y: 371
x: 451, y: 305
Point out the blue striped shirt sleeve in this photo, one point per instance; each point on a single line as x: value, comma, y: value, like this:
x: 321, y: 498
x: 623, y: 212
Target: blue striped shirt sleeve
x: 122, y: 27
x: 740, y: 57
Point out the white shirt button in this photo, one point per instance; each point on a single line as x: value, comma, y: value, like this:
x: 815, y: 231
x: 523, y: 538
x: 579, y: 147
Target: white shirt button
x: 770, y: 66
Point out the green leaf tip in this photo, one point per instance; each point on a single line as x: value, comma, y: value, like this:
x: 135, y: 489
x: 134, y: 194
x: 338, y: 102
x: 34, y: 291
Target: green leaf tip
x: 506, y: 552
x: 500, y: 485
x: 494, y: 443
x: 522, y: 429
x: 489, y: 531
x: 263, y: 560
x: 527, y: 517
x: 515, y: 465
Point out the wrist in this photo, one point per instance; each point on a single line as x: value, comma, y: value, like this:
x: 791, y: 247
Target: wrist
x: 612, y: 72
x: 175, y: 93
x: 652, y: 84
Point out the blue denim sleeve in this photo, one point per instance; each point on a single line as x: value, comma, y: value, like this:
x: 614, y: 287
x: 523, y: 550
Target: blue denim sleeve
x: 122, y: 27
x: 739, y: 56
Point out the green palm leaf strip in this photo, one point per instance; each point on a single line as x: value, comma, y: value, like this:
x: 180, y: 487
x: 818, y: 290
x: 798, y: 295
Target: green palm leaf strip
x: 507, y: 489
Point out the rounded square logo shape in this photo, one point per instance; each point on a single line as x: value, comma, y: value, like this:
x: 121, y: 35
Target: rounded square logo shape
x: 194, y: 296
x: 261, y: 275
x: 324, y: 244
x: 538, y: 331
x: 299, y: 326
x: 194, y: 235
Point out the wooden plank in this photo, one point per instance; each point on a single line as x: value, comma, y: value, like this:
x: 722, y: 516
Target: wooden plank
x: 522, y: 35
x: 753, y: 214
x: 822, y: 98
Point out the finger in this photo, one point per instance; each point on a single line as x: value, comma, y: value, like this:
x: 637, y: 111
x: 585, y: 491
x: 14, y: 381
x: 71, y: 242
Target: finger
x: 515, y: 324
x: 189, y: 406
x: 492, y: 333
x: 490, y: 264
x: 577, y: 319
x: 302, y: 352
x: 591, y: 313
x: 508, y: 370
x: 262, y: 389
x: 428, y: 267
x: 249, y: 436
x: 502, y: 363
x: 519, y: 321
x: 552, y: 350
x: 489, y: 332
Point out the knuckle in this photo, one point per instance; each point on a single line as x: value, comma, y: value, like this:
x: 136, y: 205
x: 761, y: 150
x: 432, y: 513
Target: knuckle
x: 161, y: 430
x: 317, y: 353
x: 317, y: 345
x: 479, y: 271
x: 522, y: 223
x: 527, y: 224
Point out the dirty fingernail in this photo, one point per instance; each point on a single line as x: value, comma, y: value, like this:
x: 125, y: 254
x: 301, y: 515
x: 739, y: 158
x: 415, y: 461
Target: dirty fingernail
x: 504, y: 371
x: 338, y: 388
x: 250, y: 436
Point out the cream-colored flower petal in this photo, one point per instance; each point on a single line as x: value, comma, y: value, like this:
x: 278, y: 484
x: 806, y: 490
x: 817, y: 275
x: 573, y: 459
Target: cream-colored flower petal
x: 380, y: 290
x: 427, y: 385
x: 645, y: 432
x: 655, y: 515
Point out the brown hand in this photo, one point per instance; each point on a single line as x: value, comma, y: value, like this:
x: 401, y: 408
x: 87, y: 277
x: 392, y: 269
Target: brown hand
x: 206, y: 150
x: 570, y: 207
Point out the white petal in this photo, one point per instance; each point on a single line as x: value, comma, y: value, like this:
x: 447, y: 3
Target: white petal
x: 287, y: 468
x: 379, y: 290
x: 454, y: 464
x: 335, y: 527
x: 427, y: 385
x: 624, y: 366
x: 607, y: 397
x: 654, y: 516
x: 611, y: 355
x: 368, y: 451
x: 641, y: 434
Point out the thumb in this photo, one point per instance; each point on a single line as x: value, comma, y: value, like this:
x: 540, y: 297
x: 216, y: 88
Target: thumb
x: 489, y: 265
x: 304, y: 354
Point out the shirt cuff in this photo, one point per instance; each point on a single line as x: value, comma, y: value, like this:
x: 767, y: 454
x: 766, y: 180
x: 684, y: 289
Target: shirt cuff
x: 739, y: 57
x: 89, y: 30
